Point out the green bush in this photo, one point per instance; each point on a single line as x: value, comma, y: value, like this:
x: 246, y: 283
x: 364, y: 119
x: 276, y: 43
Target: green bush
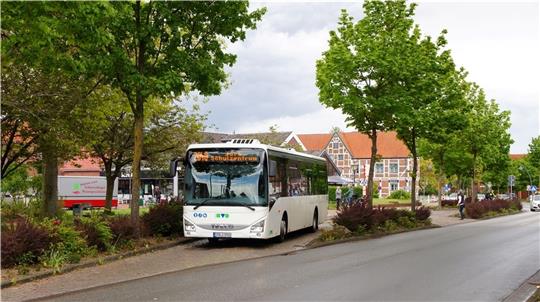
x: 70, y: 241
x: 16, y: 209
x: 95, y: 231
x: 406, y: 222
x: 390, y: 226
x: 337, y: 232
x: 399, y: 194
x: 164, y: 219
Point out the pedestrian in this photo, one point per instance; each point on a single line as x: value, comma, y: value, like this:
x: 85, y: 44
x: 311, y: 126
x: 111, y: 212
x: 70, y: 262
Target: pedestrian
x: 338, y: 197
x: 349, y: 194
x: 461, y: 204
x: 157, y: 194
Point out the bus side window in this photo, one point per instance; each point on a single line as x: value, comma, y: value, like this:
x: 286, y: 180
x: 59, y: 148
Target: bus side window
x: 276, y: 178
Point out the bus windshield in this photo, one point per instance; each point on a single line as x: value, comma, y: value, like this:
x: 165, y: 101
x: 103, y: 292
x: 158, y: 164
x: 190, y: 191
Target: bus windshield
x: 225, y: 177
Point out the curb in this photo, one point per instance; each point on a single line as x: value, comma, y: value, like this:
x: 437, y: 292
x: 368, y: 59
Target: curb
x: 526, y: 290
x: 95, y: 262
x: 316, y: 243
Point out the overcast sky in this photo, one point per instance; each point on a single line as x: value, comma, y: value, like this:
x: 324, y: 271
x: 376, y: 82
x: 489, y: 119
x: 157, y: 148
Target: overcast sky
x: 273, y: 81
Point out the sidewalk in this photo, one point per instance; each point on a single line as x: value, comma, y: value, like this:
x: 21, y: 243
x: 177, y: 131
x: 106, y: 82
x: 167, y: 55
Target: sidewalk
x: 191, y: 255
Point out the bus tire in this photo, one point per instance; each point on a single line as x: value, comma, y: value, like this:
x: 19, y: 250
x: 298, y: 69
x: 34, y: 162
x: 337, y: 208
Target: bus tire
x: 315, y: 222
x: 282, y: 230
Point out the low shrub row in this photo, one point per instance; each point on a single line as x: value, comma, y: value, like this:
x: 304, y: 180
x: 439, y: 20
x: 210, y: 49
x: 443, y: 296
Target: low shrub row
x: 53, y: 242
x: 358, y: 218
x: 399, y: 194
x: 484, y: 208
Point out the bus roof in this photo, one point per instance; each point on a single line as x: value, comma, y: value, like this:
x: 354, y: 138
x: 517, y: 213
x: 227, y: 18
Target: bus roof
x: 254, y: 144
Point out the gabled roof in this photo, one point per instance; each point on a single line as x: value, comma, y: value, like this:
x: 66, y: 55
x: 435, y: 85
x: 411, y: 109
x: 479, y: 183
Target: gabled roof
x: 388, y: 145
x: 517, y: 156
x: 88, y: 164
x: 359, y: 144
x: 315, y: 142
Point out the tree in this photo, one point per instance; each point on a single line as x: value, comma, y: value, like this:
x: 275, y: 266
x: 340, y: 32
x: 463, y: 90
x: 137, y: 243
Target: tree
x: 355, y: 73
x: 146, y: 49
x: 533, y: 156
x: 486, y: 138
x: 169, y: 129
x: 44, y: 109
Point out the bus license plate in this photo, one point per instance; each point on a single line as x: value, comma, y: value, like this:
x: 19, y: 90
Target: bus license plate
x: 222, y: 235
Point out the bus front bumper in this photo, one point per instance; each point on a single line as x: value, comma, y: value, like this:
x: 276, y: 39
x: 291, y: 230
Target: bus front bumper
x: 192, y: 230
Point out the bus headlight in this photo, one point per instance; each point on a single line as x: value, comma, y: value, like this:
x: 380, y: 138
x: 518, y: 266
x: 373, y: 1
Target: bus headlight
x: 188, y: 226
x: 258, y: 227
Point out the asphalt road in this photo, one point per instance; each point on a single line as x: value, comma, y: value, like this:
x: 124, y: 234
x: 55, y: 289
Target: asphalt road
x: 478, y: 261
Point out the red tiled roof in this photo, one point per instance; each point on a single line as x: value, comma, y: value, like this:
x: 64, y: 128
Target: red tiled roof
x: 388, y: 145
x: 315, y: 142
x: 82, y: 164
x: 517, y: 156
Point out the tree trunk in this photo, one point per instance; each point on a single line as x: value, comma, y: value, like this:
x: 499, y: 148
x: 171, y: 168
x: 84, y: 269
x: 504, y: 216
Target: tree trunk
x: 439, y: 189
x: 369, y: 193
x: 50, y: 184
x: 138, y: 126
x: 414, y: 172
x: 473, y: 189
x: 109, y: 193
x: 136, y: 170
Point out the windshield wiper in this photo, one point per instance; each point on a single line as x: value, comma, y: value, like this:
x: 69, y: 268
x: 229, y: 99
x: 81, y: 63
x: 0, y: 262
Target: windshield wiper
x: 247, y: 206
x: 204, y: 201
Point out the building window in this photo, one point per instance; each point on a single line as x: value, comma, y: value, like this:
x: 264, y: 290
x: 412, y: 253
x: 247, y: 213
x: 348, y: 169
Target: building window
x: 379, y: 168
x: 336, y: 145
x: 394, y: 185
x: 393, y: 168
x: 340, y: 157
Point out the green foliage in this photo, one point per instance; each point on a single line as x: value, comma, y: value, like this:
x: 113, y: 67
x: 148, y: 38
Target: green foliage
x: 69, y: 240
x: 336, y: 233
x: 399, y: 194
x: 95, y: 231
x: 533, y: 154
x: 406, y: 222
x: 15, y: 209
x: 18, y: 182
x: 164, y: 219
x: 54, y: 258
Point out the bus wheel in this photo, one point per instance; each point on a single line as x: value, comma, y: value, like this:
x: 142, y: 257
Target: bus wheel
x: 315, y: 223
x: 282, y: 230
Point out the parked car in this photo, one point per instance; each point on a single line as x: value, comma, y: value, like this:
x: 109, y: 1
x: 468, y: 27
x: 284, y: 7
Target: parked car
x: 535, y: 203
x: 503, y: 196
x: 480, y: 196
x: 452, y: 196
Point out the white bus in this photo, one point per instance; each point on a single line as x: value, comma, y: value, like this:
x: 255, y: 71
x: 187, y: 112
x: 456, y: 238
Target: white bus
x: 245, y: 189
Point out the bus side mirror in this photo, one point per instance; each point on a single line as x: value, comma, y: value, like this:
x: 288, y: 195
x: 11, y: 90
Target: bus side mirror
x: 272, y: 168
x: 272, y: 202
x: 174, y: 166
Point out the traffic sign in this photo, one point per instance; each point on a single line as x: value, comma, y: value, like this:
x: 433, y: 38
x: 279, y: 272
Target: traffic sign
x: 533, y: 188
x: 511, y: 180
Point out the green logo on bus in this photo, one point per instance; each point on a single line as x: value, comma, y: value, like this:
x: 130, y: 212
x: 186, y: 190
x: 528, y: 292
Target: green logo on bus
x: 222, y: 215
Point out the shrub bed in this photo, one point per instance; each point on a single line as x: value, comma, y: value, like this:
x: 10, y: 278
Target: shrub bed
x: 23, y: 242
x: 164, y: 219
x: 44, y: 242
x: 399, y: 194
x: 358, y: 218
x: 489, y: 207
